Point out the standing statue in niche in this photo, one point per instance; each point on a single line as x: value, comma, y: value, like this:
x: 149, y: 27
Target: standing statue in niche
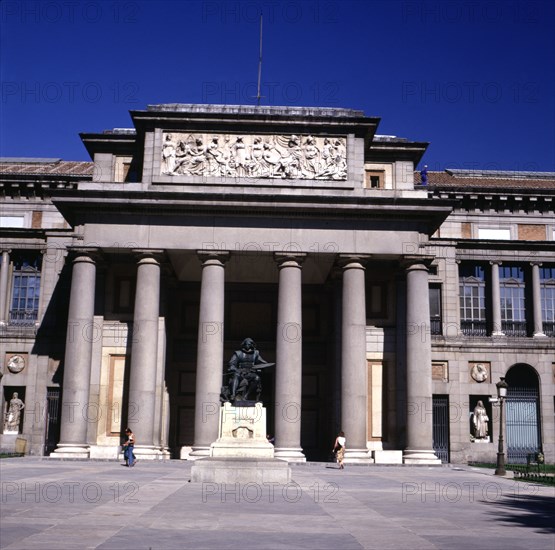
x: 480, y: 421
x: 13, y: 414
x: 244, y: 374
x: 168, y: 155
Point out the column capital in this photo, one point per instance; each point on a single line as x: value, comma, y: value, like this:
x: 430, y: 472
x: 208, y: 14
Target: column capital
x: 536, y: 262
x: 496, y: 262
x: 289, y: 259
x: 213, y: 257
x: 352, y: 261
x: 155, y: 254
x: 413, y: 262
x: 6, y: 250
x: 90, y: 254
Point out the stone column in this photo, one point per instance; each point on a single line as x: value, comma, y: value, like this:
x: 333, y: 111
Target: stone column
x: 289, y: 359
x: 4, y: 268
x: 141, y: 415
x: 77, y: 361
x: 537, y: 301
x: 419, y: 369
x: 210, y: 352
x: 354, y: 369
x: 496, y: 299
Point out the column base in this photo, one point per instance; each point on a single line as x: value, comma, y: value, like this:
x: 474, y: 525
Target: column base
x: 388, y: 457
x: 104, y: 451
x: 149, y: 452
x: 358, y: 456
x: 498, y: 334
x: 290, y: 454
x: 420, y: 456
x: 540, y: 335
x: 71, y: 450
x: 185, y: 452
x: 199, y: 452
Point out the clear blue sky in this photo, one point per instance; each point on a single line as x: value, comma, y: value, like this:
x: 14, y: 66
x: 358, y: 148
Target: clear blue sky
x: 473, y: 78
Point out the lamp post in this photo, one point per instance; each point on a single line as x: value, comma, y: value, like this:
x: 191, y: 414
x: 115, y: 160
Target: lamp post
x: 502, y: 387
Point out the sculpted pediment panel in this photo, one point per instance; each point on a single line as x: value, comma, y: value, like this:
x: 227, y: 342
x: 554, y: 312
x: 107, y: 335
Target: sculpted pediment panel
x: 255, y: 156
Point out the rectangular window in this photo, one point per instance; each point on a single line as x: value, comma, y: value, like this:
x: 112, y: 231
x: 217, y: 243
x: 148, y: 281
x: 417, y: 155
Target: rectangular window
x: 472, y: 299
x: 24, y: 307
x: 375, y: 179
x: 12, y: 221
x: 547, y: 288
x: 376, y: 300
x: 122, y: 169
x: 488, y: 233
x: 513, y: 301
x: 124, y: 295
x: 435, y: 309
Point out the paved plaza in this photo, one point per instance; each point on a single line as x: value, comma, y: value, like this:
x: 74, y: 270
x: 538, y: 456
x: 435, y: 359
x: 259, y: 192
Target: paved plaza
x: 51, y: 504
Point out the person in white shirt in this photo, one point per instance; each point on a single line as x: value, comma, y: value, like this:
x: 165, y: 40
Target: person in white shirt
x: 339, y: 449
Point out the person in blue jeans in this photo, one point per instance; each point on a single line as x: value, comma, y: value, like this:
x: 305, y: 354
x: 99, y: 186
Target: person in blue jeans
x: 128, y: 447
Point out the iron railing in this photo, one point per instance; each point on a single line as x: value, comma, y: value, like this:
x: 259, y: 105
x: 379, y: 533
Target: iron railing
x: 523, y: 434
x: 514, y: 328
x: 474, y: 328
x: 440, y: 427
x: 549, y: 328
x: 23, y: 317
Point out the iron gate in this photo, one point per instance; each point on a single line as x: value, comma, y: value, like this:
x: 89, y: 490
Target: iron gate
x: 523, y: 427
x: 52, y: 435
x: 440, y: 428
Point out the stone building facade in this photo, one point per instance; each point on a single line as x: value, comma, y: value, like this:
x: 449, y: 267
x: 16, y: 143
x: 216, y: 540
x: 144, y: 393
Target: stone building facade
x: 390, y: 307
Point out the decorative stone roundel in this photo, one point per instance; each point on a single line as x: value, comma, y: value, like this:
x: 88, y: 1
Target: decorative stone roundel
x: 479, y: 372
x: 16, y: 363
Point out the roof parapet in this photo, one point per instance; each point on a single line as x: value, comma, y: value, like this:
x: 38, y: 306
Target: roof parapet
x: 500, y: 174
x: 256, y: 110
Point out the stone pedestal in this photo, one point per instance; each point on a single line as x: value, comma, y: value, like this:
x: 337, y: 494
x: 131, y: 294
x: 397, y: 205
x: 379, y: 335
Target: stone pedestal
x: 232, y: 470
x: 242, y: 433
x: 9, y: 442
x: 241, y: 453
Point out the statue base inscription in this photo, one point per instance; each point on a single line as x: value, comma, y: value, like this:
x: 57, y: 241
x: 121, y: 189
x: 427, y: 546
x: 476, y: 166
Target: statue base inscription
x: 241, y: 454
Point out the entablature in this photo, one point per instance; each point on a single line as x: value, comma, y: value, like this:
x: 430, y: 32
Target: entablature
x: 501, y: 200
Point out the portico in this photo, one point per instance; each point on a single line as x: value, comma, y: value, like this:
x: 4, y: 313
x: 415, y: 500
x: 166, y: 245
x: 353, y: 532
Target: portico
x: 244, y: 223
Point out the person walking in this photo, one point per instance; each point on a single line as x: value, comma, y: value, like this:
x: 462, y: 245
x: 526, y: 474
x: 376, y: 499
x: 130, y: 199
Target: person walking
x: 128, y: 447
x: 339, y: 449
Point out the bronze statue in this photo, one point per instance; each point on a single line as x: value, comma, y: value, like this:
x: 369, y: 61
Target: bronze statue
x: 244, y: 382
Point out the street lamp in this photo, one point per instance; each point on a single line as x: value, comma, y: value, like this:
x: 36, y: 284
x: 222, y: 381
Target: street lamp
x: 502, y: 387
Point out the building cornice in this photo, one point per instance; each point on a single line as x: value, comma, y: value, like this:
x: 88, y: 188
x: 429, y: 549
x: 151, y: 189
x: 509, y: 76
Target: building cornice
x: 76, y: 206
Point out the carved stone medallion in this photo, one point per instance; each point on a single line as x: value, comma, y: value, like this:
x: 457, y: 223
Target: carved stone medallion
x: 16, y: 363
x: 479, y: 372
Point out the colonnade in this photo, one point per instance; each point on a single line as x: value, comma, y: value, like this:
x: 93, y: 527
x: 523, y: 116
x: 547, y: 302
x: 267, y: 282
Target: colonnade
x: 210, y: 356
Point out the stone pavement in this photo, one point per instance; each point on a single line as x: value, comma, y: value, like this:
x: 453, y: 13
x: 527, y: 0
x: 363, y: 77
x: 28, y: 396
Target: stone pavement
x: 50, y: 504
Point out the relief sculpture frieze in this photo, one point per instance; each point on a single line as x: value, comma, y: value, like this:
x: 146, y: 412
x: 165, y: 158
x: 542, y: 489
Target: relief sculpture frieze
x: 269, y: 156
